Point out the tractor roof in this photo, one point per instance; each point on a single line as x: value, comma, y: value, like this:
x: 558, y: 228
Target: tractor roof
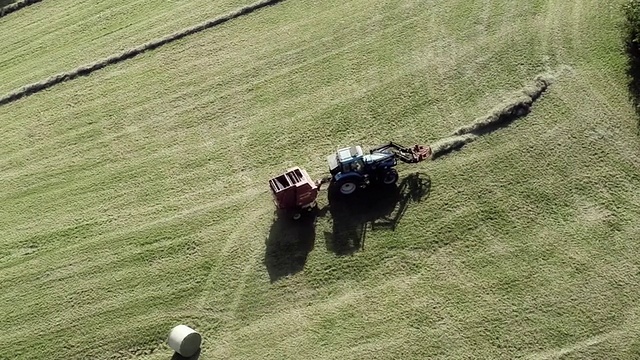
x: 372, y: 158
x: 350, y: 153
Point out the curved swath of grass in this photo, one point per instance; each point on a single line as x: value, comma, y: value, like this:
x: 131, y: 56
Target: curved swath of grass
x: 500, y: 116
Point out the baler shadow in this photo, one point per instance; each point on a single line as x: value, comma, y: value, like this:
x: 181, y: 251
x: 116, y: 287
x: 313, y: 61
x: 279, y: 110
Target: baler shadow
x: 289, y: 244
x: 374, y: 208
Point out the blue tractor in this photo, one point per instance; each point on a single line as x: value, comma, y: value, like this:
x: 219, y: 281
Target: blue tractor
x: 351, y: 168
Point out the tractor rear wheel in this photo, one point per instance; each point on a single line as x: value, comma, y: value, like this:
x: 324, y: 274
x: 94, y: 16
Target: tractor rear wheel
x: 347, y: 187
x: 390, y: 177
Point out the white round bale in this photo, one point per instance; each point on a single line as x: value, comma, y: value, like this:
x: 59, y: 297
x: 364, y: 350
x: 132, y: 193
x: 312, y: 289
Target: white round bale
x: 184, y: 340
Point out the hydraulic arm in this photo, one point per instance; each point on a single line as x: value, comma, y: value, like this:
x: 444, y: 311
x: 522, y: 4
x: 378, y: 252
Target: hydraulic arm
x: 406, y: 154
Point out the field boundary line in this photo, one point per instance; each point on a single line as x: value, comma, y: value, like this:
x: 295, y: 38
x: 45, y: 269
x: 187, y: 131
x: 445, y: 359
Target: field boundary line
x: 16, y: 6
x: 86, y: 70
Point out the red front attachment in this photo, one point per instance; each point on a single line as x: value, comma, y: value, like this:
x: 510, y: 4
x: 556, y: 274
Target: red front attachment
x: 422, y: 152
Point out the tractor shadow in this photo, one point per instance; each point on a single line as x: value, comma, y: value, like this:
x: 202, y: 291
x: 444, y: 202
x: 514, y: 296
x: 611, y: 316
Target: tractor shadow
x: 289, y: 244
x: 374, y: 208
x: 633, y: 73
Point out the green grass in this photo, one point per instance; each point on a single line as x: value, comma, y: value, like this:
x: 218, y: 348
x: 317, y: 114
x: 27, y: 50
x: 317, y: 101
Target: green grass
x: 136, y: 198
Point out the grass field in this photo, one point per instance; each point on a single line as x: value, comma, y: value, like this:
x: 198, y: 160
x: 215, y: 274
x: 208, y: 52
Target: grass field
x: 136, y: 198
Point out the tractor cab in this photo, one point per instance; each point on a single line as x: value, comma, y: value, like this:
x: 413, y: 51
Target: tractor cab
x: 346, y: 160
x: 353, y: 160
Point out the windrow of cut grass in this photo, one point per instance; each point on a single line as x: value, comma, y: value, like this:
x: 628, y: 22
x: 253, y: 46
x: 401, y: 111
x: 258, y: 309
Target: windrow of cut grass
x: 517, y: 106
x: 130, y: 53
x: 70, y: 33
x: 6, y: 10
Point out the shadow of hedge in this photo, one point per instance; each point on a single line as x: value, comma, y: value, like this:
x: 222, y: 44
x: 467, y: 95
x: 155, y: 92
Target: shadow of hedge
x: 631, y: 30
x: 633, y: 72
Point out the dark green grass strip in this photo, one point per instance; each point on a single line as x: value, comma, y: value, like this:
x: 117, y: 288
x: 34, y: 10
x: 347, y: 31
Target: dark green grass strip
x: 130, y: 53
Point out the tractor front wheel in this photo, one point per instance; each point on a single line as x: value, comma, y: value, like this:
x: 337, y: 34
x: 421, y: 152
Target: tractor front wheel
x: 390, y: 177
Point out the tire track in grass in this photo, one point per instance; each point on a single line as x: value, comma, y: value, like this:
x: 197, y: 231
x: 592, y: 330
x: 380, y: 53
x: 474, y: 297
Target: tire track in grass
x: 86, y: 70
x: 300, y: 318
x: 10, y: 272
x: 16, y: 6
x: 232, y: 244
